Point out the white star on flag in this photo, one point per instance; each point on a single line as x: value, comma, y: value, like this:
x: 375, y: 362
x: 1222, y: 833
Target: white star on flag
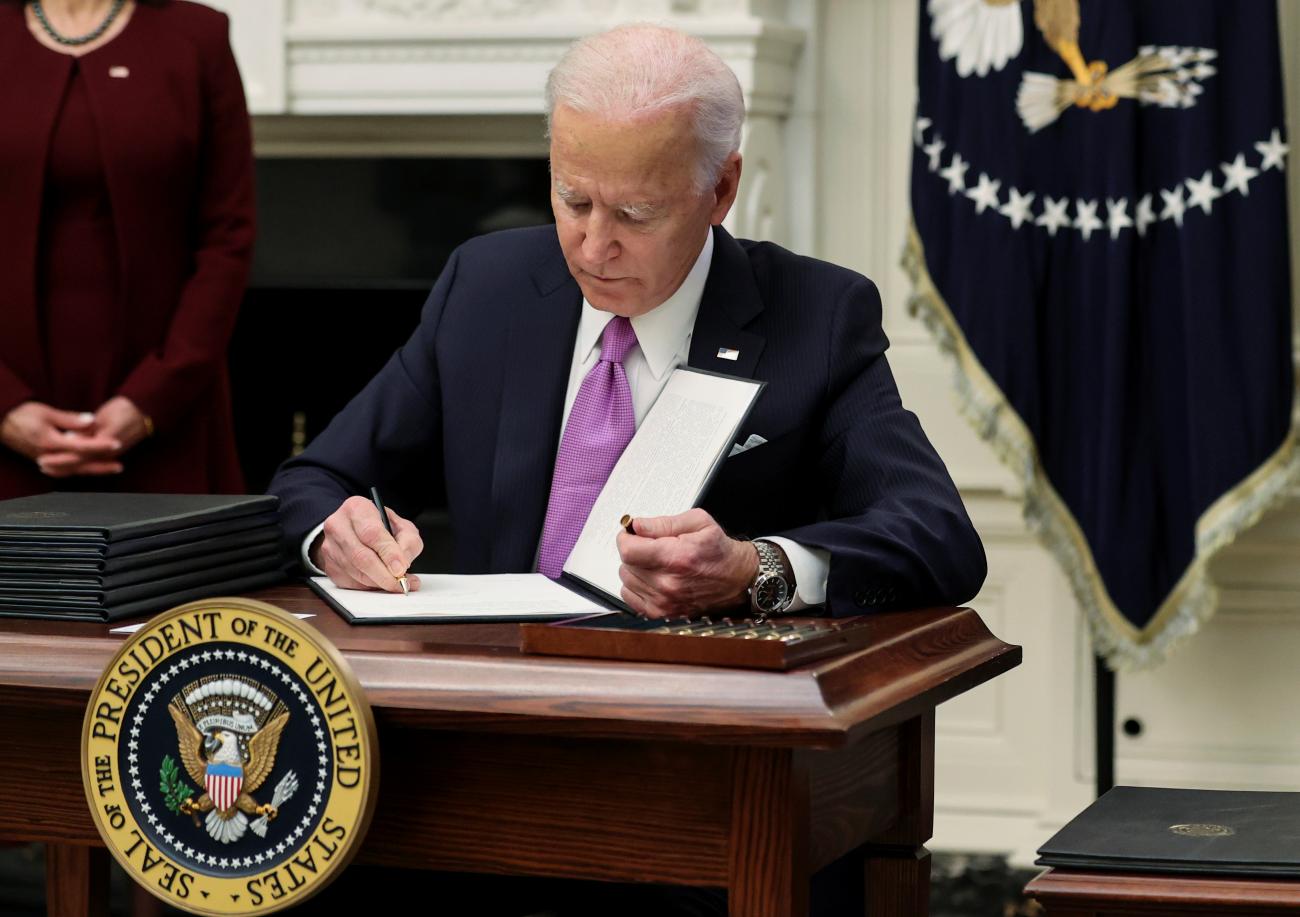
x: 1203, y: 194
x: 1273, y: 150
x: 1086, y: 218
x: 956, y: 174
x: 1145, y: 215
x: 1174, y: 206
x: 934, y: 151
x: 1053, y: 215
x: 985, y: 194
x: 1237, y: 175
x: 918, y: 132
x: 1018, y: 208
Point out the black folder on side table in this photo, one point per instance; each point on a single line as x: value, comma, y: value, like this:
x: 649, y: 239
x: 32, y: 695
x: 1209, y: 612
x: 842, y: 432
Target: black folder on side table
x: 106, y: 556
x: 1150, y: 829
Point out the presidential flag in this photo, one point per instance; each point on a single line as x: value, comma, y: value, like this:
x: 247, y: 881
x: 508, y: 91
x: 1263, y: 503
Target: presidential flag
x: 1099, y: 238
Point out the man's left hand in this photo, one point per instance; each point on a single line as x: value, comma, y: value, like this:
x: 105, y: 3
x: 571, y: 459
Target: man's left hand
x: 684, y: 564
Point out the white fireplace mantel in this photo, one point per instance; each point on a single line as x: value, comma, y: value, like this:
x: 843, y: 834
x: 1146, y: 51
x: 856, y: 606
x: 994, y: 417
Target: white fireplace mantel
x: 466, y: 62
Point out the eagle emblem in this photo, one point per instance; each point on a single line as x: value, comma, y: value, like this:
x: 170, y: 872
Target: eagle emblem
x: 228, y: 729
x: 983, y: 35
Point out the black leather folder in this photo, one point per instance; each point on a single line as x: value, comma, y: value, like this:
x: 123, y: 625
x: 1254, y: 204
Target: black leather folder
x: 1149, y: 829
x: 83, y: 612
x: 99, y: 518
x: 44, y: 594
x: 36, y: 560
x: 106, y: 556
x: 246, y: 529
x: 33, y: 577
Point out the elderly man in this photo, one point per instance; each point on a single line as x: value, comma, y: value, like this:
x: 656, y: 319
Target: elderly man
x: 538, y: 350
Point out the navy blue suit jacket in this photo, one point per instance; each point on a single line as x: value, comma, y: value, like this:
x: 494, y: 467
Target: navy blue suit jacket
x: 474, y: 400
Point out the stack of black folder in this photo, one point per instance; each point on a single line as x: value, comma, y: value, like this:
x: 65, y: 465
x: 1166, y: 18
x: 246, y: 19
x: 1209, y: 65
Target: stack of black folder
x: 1152, y: 829
x: 104, y: 556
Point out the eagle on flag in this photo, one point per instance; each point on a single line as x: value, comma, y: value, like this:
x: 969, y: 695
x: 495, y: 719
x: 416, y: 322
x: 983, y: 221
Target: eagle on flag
x: 1100, y: 242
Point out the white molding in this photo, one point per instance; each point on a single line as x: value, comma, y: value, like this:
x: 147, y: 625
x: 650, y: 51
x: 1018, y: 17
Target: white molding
x: 340, y: 61
x: 458, y: 56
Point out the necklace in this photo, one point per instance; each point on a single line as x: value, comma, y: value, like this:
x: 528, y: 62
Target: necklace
x: 83, y: 39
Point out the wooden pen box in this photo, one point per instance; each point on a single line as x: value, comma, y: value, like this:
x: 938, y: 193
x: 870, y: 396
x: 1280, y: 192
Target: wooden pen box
x: 778, y: 644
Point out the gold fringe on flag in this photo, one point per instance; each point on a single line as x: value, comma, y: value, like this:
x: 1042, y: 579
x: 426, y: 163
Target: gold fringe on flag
x: 1194, y: 598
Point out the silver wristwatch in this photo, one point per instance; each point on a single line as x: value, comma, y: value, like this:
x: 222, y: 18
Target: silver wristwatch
x: 773, y: 587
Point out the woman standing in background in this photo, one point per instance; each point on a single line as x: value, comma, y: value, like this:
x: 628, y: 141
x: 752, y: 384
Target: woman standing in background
x: 126, y: 232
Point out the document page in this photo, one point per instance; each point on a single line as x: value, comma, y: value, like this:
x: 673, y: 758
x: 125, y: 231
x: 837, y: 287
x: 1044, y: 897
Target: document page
x: 664, y: 470
x: 505, y: 596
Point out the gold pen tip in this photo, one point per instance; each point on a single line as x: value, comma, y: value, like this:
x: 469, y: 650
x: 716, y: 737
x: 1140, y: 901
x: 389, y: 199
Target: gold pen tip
x: 406, y: 589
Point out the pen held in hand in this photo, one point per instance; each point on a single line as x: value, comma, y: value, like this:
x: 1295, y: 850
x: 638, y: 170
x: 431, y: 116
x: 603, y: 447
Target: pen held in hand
x: 388, y: 527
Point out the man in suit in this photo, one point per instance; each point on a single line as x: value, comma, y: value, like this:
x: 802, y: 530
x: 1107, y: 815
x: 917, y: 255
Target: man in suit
x: 540, y: 349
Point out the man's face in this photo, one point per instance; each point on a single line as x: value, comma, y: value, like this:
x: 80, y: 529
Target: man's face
x: 630, y: 220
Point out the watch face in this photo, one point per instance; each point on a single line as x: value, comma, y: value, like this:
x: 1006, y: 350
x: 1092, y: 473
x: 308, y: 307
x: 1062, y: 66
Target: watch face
x: 771, y: 592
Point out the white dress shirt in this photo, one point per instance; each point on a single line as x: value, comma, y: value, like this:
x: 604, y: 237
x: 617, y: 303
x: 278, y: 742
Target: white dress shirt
x: 663, y: 343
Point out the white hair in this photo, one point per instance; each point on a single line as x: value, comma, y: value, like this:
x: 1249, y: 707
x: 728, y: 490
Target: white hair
x: 640, y: 69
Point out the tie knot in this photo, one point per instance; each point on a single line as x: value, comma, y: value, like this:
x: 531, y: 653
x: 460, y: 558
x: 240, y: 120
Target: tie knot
x: 616, y: 340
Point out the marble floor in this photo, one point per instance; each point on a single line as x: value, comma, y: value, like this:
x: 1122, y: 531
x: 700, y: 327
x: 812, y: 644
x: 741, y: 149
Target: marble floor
x: 962, y: 886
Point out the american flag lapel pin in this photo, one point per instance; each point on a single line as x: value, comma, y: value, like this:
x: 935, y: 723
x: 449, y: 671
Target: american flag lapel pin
x: 119, y: 73
x: 728, y: 353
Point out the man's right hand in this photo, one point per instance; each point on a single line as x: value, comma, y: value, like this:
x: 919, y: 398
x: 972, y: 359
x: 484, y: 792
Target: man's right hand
x: 61, y: 442
x: 356, y: 552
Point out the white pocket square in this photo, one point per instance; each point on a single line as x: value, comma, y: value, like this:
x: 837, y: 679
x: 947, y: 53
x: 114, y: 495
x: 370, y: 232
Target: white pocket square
x: 754, y: 440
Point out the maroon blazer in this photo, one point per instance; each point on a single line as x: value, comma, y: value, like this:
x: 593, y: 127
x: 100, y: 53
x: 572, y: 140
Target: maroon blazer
x: 175, y: 139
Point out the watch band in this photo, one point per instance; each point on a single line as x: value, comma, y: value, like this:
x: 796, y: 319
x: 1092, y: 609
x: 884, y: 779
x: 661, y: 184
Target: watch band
x: 774, y: 572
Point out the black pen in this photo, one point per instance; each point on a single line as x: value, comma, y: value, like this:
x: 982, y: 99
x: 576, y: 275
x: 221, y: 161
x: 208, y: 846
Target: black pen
x: 388, y: 527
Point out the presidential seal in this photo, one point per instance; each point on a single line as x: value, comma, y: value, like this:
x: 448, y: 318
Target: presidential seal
x: 229, y: 758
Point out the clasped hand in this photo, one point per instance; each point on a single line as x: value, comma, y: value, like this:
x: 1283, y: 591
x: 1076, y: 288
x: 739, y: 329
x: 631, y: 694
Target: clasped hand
x: 67, y: 443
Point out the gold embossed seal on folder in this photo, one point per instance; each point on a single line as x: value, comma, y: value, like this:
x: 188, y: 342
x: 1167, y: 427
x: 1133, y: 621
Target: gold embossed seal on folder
x: 1202, y: 830
x: 229, y: 758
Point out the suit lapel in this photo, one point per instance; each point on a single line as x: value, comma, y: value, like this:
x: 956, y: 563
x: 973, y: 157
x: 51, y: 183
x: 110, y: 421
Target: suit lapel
x: 538, y: 357
x: 730, y: 302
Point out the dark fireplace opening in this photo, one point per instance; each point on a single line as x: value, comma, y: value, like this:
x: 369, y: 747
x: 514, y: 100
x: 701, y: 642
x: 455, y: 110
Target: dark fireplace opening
x: 347, y: 251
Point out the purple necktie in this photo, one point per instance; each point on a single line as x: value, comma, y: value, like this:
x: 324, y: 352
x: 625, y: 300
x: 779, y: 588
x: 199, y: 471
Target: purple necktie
x: 601, y: 424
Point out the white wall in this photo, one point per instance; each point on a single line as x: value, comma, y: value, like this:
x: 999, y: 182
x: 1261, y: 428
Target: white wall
x: 1015, y: 756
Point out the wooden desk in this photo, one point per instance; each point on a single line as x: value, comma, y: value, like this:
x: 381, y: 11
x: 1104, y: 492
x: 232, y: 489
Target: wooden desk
x: 496, y: 762
x: 1070, y: 893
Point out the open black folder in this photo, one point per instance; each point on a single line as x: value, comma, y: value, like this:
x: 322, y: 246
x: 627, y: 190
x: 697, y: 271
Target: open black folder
x: 693, y: 427
x: 1150, y: 829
